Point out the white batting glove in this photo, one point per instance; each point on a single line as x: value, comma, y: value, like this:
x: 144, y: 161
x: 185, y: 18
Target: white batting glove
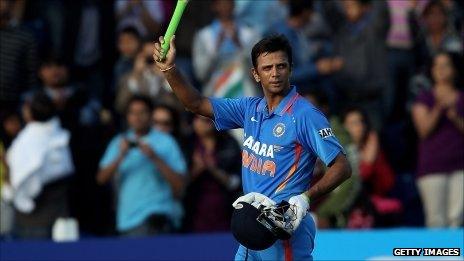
x: 301, y: 206
x: 255, y: 199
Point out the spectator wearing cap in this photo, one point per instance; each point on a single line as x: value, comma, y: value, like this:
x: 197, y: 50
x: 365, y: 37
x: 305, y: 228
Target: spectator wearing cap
x: 149, y: 171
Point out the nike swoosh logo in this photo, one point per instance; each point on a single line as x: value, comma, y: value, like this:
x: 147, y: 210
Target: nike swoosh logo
x: 253, y: 119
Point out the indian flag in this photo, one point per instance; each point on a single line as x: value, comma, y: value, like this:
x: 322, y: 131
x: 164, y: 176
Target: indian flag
x: 230, y: 82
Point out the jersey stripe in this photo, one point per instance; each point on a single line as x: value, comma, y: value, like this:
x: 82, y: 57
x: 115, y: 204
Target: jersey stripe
x: 298, y: 150
x: 290, y: 103
x: 288, y: 250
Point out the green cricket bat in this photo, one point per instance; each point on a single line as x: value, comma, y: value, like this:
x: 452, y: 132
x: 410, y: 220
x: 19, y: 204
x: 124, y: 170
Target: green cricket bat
x: 175, y: 19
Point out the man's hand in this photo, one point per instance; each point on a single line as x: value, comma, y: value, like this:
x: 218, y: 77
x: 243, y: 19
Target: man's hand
x: 168, y: 61
x: 301, y: 205
x: 124, y: 147
x: 255, y: 199
x: 145, y: 148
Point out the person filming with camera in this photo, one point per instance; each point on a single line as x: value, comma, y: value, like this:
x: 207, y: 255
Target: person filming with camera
x: 149, y: 169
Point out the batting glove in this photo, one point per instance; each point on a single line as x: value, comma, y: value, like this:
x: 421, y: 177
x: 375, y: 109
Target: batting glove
x: 255, y: 199
x: 301, y: 206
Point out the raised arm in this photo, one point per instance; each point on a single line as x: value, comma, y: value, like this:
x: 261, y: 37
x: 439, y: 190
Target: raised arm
x: 185, y: 92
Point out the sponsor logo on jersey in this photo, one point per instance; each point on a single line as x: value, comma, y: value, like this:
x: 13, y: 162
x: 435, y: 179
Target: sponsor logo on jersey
x: 253, y: 159
x: 325, y: 133
x: 261, y: 149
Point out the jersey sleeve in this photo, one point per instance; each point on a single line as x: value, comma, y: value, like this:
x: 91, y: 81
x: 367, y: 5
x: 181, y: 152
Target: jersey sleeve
x: 228, y: 113
x: 315, y: 134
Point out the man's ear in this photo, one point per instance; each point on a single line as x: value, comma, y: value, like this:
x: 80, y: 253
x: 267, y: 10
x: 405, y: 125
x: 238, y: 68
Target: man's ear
x: 255, y: 75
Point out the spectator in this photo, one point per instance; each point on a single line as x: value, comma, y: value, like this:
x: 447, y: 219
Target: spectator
x: 168, y: 120
x: 47, y: 21
x: 149, y: 170
x: 89, y: 44
x: 438, y: 115
x: 80, y: 114
x: 220, y: 51
x: 39, y: 162
x: 145, y: 15
x: 260, y: 15
x: 311, y: 64
x: 434, y: 34
x: 129, y: 45
x: 11, y: 125
x: 359, y: 37
x: 376, y: 174
x: 144, y: 79
x: 401, y: 58
x: 74, y: 105
x: 214, y: 178
x: 18, y: 58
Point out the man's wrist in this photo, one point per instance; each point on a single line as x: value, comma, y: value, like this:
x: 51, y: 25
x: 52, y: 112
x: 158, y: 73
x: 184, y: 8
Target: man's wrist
x: 168, y: 68
x: 306, y: 197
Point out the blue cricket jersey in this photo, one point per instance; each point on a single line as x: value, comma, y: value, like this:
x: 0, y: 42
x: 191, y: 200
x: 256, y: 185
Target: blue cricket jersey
x: 279, y: 148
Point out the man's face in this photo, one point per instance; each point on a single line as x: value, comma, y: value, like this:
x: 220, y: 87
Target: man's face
x: 353, y: 10
x: 54, y: 75
x: 138, y: 116
x: 224, y: 9
x: 162, y: 120
x: 435, y: 19
x: 273, y: 72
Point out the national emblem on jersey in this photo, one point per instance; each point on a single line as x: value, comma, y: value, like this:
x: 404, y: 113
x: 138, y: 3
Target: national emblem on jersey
x: 279, y: 129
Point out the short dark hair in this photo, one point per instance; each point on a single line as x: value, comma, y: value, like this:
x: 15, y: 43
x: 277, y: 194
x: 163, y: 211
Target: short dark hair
x: 434, y: 3
x: 53, y: 59
x: 271, y: 44
x: 41, y: 107
x: 140, y: 98
x: 297, y: 7
x: 132, y: 31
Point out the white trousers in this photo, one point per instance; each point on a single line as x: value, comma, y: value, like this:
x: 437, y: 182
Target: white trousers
x: 443, y: 198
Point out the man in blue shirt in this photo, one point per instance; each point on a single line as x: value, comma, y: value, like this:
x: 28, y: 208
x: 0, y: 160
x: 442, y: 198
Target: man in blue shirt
x: 284, y: 134
x: 151, y: 171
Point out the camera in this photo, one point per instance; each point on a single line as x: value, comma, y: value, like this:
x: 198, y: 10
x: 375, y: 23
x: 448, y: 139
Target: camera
x: 133, y: 144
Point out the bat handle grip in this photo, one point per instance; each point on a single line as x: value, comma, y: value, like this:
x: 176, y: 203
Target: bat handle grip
x: 178, y: 11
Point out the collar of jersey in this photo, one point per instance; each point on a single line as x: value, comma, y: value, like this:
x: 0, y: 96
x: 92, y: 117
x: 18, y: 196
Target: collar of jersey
x: 283, y: 105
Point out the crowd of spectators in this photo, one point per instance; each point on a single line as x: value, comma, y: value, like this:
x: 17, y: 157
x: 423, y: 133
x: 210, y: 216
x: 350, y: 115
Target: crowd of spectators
x: 91, y: 130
